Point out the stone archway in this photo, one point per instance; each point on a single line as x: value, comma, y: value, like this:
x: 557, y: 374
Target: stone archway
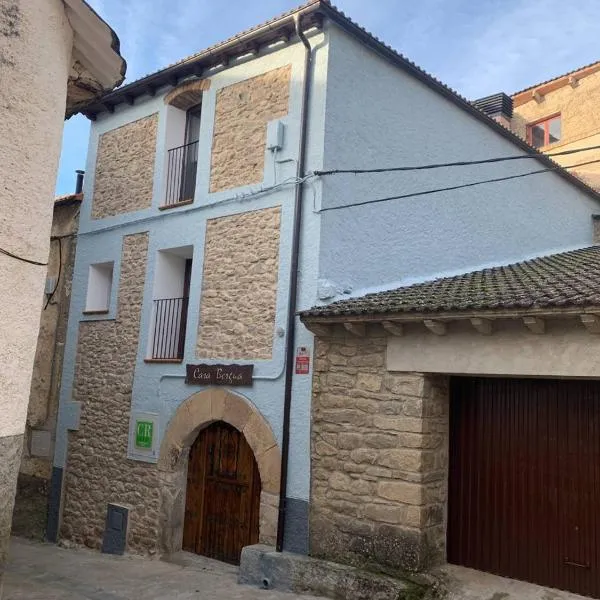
x: 194, y: 414
x: 187, y: 94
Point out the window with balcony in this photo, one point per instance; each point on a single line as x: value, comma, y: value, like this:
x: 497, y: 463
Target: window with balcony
x: 182, y: 163
x: 544, y: 132
x: 100, y: 278
x: 170, y: 304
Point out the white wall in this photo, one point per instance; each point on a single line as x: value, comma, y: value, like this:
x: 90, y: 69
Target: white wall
x: 100, y: 280
x: 379, y: 116
x: 567, y: 349
x: 35, y: 58
x: 169, y: 275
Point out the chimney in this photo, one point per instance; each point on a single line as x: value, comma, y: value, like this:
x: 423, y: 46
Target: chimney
x: 79, y: 181
x: 498, y: 106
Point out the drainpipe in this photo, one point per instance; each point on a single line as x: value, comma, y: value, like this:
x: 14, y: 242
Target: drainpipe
x: 293, y: 290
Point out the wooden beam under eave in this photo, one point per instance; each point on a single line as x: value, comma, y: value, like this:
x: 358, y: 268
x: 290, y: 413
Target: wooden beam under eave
x: 535, y: 324
x: 591, y: 322
x: 436, y: 327
x: 355, y: 328
x: 483, y: 326
x: 319, y: 330
x: 393, y: 328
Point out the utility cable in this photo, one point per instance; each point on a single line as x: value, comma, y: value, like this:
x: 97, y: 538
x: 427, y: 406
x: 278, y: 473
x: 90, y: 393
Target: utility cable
x: 456, y: 187
x: 25, y: 260
x: 59, y: 239
x: 463, y: 163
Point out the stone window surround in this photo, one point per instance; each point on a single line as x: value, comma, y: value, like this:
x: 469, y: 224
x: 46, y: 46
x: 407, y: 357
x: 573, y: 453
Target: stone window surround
x: 194, y: 414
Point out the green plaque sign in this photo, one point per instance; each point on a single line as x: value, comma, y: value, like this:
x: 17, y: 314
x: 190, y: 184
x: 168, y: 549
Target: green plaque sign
x: 143, y: 434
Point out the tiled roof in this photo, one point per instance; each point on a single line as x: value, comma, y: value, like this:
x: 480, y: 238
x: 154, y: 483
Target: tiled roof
x: 241, y: 42
x: 567, y: 279
x: 535, y: 85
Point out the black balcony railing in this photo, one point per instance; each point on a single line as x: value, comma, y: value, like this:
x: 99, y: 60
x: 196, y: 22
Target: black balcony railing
x: 170, y: 321
x: 181, y: 173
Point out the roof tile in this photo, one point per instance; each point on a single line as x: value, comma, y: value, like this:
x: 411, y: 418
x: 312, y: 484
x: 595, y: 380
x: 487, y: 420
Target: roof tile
x: 558, y: 280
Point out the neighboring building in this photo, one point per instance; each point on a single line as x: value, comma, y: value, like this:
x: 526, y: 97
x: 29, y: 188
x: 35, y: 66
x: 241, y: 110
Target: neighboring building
x: 555, y: 116
x: 470, y: 419
x: 31, y: 502
x: 55, y: 56
x: 185, y: 280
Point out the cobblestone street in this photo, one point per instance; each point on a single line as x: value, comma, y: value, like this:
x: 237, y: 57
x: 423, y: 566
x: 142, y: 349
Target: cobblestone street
x: 46, y: 572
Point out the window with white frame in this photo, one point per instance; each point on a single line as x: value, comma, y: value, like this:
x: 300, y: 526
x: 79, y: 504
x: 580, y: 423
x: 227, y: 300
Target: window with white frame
x: 100, y: 278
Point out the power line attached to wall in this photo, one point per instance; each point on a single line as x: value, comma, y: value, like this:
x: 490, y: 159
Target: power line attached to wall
x: 464, y: 163
x: 456, y: 187
x: 23, y: 259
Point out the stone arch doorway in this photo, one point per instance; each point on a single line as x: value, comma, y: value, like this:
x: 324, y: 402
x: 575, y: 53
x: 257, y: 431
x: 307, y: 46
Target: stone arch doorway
x: 222, y: 494
x: 192, y: 416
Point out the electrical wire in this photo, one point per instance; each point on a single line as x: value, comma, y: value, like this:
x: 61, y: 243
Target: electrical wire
x: 463, y: 163
x: 59, y: 239
x: 456, y: 187
x: 21, y: 258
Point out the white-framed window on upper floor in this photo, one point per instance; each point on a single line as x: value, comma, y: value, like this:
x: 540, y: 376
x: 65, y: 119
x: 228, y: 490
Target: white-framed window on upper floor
x: 545, y: 131
x: 182, y: 157
x: 170, y: 300
x: 99, y: 288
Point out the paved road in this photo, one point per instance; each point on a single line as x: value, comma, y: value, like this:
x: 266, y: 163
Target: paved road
x: 46, y: 572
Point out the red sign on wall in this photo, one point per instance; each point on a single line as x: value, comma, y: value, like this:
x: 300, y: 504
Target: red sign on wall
x: 302, y: 361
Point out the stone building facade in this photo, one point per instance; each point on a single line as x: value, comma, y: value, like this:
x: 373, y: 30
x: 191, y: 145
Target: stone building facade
x: 182, y: 322
x: 379, y: 456
x: 573, y: 99
x: 125, y: 168
x: 455, y: 418
x: 557, y: 116
x: 30, y: 513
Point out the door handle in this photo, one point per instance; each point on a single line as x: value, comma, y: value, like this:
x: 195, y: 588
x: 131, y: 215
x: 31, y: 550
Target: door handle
x: 571, y: 563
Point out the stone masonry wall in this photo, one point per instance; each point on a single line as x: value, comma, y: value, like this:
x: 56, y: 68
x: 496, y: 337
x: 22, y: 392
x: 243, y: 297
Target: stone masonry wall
x: 239, y: 286
x: 98, y: 471
x: 125, y: 168
x: 379, y: 456
x: 241, y: 116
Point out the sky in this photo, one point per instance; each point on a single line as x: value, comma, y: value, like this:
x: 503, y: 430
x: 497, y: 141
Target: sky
x: 477, y: 47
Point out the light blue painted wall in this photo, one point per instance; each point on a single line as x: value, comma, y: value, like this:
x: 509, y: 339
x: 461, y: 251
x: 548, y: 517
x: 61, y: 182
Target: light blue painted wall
x: 378, y: 116
x: 363, y: 112
x: 160, y: 388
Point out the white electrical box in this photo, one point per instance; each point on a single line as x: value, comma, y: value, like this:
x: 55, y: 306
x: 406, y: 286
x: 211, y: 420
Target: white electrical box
x: 50, y: 285
x: 275, y: 135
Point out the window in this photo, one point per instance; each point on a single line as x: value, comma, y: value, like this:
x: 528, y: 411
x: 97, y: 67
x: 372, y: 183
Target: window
x: 100, y: 278
x: 183, y: 162
x: 544, y: 132
x: 170, y: 304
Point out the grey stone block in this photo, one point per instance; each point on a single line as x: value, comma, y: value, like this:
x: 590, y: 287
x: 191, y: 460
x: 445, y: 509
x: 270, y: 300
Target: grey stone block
x: 285, y: 571
x: 295, y: 537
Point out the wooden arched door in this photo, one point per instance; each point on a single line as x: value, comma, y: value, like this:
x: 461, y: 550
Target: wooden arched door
x: 223, y: 495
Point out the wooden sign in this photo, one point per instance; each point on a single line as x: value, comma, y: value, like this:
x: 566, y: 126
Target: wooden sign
x: 235, y: 375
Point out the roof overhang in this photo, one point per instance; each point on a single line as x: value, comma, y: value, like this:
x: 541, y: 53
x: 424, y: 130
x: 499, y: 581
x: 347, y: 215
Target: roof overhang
x: 537, y: 92
x: 436, y: 322
x: 249, y: 42
x: 310, y: 15
x: 97, y: 65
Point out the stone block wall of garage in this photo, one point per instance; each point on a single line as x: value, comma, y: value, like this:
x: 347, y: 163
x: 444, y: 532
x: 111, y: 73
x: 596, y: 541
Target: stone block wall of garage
x: 379, y: 455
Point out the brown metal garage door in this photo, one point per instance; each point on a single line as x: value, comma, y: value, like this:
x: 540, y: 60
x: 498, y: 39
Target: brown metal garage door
x: 524, y: 484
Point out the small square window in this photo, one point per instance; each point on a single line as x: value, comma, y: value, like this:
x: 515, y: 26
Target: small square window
x: 542, y: 133
x: 99, y: 287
